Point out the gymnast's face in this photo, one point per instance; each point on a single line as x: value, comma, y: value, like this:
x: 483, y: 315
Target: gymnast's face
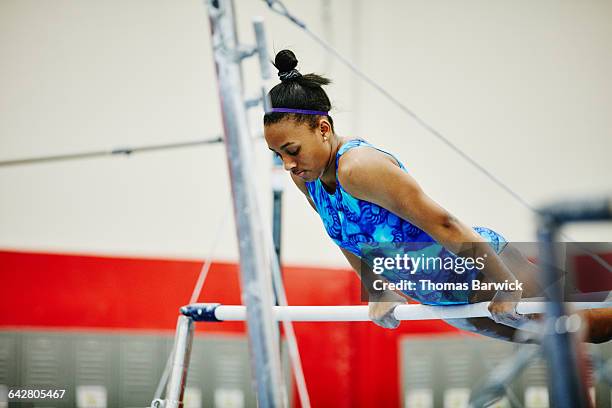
x: 304, y: 151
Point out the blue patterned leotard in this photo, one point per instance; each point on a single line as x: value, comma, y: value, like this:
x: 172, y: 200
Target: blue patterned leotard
x: 356, y: 224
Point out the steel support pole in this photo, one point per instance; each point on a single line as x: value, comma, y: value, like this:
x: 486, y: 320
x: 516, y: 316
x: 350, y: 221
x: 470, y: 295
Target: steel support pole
x: 255, y: 267
x: 277, y: 209
x: 565, y: 379
x: 564, y: 356
x: 278, y: 175
x: 180, y: 362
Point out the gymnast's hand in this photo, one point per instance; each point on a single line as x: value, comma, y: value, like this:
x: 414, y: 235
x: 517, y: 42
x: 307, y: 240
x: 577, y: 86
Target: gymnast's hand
x: 381, y: 306
x: 503, y: 307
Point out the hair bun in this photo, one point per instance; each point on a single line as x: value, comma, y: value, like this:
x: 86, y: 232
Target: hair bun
x: 285, y: 61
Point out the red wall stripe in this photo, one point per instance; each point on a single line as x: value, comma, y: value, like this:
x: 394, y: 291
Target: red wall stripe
x: 345, y: 364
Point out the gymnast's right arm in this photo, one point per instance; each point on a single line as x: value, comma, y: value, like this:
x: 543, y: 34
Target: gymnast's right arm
x: 382, y: 303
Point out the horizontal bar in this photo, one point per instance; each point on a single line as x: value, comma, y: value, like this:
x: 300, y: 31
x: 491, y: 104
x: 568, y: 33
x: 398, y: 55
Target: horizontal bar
x: 218, y: 312
x: 584, y: 210
x: 117, y: 151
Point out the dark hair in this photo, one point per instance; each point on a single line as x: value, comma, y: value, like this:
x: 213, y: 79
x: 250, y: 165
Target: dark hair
x: 297, y: 91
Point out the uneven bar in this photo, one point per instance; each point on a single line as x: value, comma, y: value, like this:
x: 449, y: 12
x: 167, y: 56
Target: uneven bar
x: 215, y: 312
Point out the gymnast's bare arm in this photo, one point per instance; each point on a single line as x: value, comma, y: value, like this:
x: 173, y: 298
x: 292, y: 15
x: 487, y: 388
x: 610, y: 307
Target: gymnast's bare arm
x: 381, y: 303
x: 360, y: 172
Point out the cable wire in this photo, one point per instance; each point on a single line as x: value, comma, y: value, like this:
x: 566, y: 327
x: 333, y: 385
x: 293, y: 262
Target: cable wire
x: 279, y: 8
x: 114, y: 152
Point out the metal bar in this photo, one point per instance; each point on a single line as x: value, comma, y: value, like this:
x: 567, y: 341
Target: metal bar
x: 494, y: 386
x: 565, y: 381
x: 278, y: 180
x: 262, y: 49
x: 568, y: 383
x: 216, y: 312
x: 254, y: 260
x: 180, y: 364
x: 264, y: 63
x: 275, y: 253
x: 277, y: 170
x: 578, y: 211
x: 114, y: 152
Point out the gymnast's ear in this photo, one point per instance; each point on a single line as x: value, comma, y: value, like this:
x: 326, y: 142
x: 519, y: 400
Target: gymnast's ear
x: 324, y: 127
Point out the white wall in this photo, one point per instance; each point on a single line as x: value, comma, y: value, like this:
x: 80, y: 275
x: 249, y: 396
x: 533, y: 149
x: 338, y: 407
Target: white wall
x: 521, y: 86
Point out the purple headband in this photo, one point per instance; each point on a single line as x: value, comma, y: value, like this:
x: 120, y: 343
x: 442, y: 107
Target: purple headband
x: 302, y: 111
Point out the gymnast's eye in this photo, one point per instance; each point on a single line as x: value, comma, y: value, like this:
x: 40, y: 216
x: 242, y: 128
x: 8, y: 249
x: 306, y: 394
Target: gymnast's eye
x: 294, y: 152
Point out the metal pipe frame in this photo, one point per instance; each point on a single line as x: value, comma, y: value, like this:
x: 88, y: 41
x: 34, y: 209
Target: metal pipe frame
x: 255, y: 267
x: 564, y: 358
x: 183, y: 341
x: 215, y: 312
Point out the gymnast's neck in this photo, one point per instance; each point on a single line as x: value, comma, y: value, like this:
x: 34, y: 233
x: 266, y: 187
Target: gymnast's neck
x: 328, y: 178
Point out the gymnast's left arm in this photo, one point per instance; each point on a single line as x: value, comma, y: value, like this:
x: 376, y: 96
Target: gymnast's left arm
x: 360, y: 171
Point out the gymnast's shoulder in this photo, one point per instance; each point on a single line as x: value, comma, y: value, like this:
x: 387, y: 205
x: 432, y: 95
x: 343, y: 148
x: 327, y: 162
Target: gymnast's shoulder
x: 364, y: 167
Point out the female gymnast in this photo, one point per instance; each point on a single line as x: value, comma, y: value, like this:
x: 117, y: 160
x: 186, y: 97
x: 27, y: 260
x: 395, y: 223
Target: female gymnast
x: 365, y: 195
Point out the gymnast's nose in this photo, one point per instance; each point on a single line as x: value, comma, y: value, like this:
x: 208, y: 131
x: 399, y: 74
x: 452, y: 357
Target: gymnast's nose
x: 289, y: 164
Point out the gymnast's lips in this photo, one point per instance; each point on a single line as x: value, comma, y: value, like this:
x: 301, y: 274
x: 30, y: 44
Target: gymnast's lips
x: 299, y: 173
